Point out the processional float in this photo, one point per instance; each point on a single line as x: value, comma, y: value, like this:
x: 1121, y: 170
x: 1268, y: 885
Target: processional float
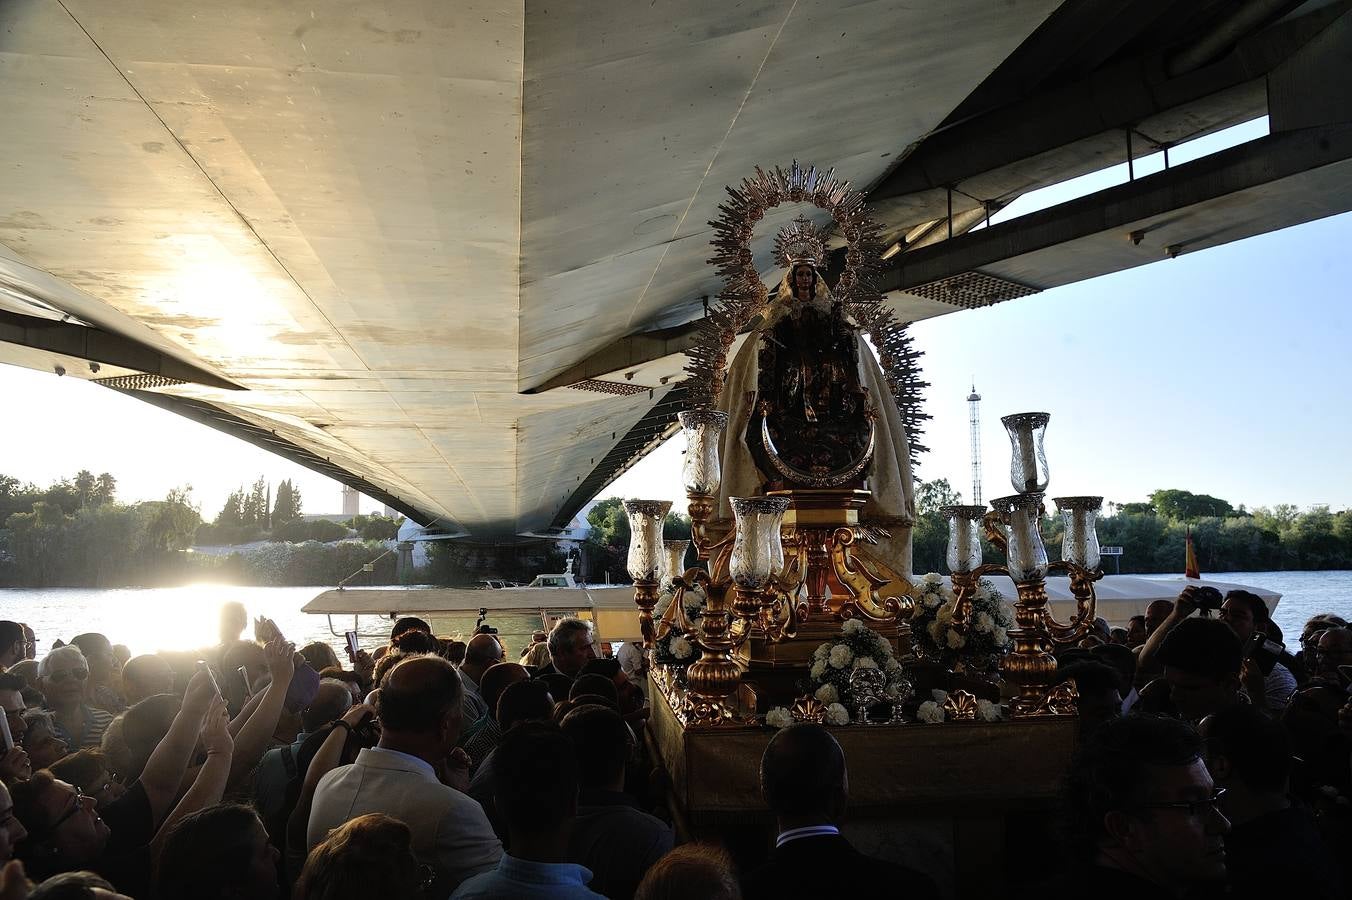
x: 802, y: 602
x: 796, y: 561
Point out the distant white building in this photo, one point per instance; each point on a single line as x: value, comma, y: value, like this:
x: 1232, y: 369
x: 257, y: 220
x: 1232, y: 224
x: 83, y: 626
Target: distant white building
x: 350, y: 502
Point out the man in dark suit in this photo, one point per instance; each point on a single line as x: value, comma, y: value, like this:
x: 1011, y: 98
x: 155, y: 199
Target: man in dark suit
x: 570, y: 648
x: 803, y: 780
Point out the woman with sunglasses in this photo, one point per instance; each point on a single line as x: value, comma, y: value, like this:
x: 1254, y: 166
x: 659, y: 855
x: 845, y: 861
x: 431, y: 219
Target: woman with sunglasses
x: 62, y: 677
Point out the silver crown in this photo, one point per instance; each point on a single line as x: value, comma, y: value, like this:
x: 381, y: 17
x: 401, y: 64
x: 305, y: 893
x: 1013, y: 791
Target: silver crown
x: 800, y: 242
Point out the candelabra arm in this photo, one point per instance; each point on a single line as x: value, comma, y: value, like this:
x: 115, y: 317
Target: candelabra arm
x: 964, y: 589
x: 1086, y: 603
x: 701, y: 509
x: 992, y: 524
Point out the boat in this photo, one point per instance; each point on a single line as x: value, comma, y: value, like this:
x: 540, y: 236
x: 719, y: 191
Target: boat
x: 1122, y: 596
x: 610, y: 609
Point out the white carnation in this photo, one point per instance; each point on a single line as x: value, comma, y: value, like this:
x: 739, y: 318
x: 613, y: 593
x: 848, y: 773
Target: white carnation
x: 818, y: 670
x: 930, y: 712
x: 948, y: 594
x: 852, y: 626
x: 983, y: 622
x: 939, y: 696
x: 1001, y: 636
x: 987, y: 711
x: 983, y: 592
x: 828, y: 694
x: 682, y: 649
x: 945, y: 615
x: 892, y: 666
x: 837, y: 715
x: 933, y: 578
x: 865, y: 662
x: 841, y: 656
x: 779, y: 717
x: 933, y: 600
x: 822, y: 651
x: 955, y: 640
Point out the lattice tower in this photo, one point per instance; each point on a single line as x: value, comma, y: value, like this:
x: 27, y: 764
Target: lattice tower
x: 974, y: 416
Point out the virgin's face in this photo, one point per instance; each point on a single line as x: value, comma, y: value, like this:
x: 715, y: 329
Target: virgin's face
x: 802, y: 279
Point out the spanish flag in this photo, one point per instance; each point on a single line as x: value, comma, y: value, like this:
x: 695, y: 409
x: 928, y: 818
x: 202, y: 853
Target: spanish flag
x: 1190, y: 569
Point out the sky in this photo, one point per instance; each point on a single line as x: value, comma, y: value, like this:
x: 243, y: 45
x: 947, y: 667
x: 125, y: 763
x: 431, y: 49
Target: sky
x: 1222, y: 372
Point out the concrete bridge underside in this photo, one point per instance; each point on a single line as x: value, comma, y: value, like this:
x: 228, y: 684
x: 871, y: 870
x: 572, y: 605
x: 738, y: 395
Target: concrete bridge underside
x: 449, y: 253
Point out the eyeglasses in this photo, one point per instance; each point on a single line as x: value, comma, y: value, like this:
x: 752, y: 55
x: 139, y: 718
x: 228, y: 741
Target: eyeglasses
x: 69, y: 814
x: 78, y: 674
x: 1194, y: 808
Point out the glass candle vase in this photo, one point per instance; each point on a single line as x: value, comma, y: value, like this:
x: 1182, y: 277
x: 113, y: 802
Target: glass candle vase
x: 646, y: 517
x: 1026, y: 556
x: 675, y: 561
x: 703, y: 433
x: 1080, y: 544
x: 758, y: 549
x: 1028, y: 464
x: 964, y: 537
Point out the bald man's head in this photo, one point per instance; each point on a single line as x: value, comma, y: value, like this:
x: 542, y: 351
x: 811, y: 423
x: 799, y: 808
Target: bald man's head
x: 331, y: 700
x: 483, y: 651
x: 418, y: 694
x: 803, y: 774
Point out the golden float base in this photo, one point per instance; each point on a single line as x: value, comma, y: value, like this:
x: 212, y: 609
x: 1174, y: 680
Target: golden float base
x: 947, y: 799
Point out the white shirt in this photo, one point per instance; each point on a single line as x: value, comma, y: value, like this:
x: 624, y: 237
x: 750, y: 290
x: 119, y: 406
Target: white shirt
x: 630, y: 657
x: 450, y: 831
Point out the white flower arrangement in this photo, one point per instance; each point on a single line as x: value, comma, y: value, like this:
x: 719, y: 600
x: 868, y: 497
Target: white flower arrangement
x: 988, y: 620
x: 674, y: 649
x: 930, y: 713
x: 841, y: 656
x: 858, y: 647
x: 837, y: 715
x: 779, y: 717
x: 987, y: 711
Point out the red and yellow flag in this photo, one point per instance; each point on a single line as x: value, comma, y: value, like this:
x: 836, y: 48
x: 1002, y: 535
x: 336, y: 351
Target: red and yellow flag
x: 1190, y: 569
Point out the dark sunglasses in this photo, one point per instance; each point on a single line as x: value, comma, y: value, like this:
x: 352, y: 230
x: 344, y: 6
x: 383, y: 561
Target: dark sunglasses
x: 77, y: 674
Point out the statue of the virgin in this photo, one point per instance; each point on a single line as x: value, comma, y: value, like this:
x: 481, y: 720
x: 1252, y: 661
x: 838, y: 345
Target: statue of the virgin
x: 809, y: 405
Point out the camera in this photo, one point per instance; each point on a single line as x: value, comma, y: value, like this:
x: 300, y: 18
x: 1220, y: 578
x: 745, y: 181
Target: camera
x: 480, y: 627
x: 1208, y: 598
x: 1263, y: 651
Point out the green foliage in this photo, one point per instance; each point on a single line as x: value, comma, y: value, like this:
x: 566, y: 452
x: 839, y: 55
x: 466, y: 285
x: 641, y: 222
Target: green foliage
x: 312, y: 563
x: 286, y: 508
x: 300, y: 531
x: 100, y: 544
x: 375, y: 527
x: 1186, y: 506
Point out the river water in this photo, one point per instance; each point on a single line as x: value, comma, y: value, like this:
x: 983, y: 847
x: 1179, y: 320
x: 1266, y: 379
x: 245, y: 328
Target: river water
x: 184, y: 618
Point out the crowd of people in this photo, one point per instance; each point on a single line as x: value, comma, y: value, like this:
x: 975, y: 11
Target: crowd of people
x: 1211, y: 762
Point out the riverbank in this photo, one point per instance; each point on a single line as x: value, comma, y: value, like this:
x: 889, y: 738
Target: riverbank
x: 184, y: 618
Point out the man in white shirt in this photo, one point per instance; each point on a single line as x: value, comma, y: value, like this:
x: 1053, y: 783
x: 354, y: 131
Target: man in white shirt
x: 421, y: 717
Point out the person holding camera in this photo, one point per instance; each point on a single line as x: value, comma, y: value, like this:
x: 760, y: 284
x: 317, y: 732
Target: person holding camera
x: 1209, y: 653
x: 1263, y: 674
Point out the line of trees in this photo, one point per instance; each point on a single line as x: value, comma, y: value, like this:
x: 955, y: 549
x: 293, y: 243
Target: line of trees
x: 1227, y: 538
x: 75, y: 533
